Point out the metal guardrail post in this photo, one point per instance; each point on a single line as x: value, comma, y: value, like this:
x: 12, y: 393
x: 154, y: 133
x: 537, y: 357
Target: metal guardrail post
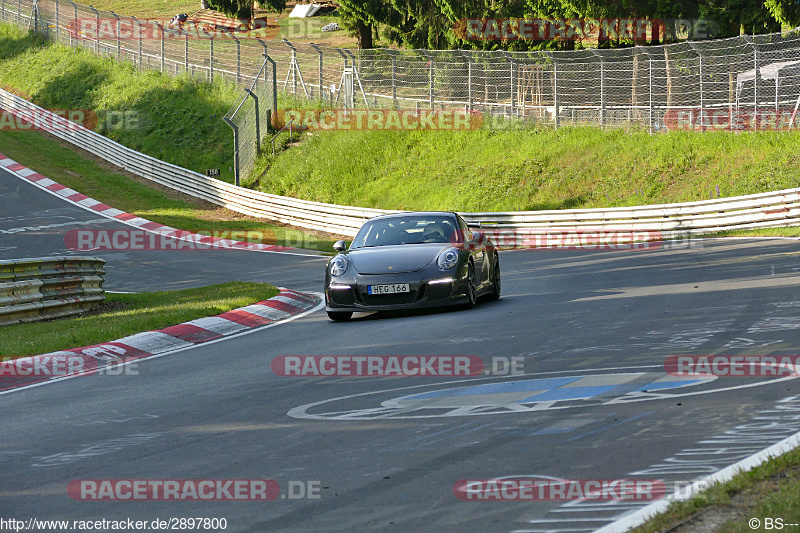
x: 57, y: 21
x: 235, y: 129
x: 186, y: 53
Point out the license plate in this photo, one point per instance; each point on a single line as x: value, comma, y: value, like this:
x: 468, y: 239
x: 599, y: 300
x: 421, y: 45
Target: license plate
x: 388, y: 289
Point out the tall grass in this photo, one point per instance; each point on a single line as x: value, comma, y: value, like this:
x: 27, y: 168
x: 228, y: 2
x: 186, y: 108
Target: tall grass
x: 531, y: 169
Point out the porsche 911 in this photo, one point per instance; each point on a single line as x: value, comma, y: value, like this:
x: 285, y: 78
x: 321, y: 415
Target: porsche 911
x: 408, y: 261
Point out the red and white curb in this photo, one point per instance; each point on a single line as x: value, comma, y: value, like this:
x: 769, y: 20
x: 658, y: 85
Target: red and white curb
x: 40, y: 369
x: 95, y: 206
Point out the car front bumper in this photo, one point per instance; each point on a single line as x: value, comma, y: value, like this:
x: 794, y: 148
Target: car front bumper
x: 351, y: 295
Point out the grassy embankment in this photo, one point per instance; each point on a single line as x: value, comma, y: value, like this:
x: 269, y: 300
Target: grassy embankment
x: 127, y: 314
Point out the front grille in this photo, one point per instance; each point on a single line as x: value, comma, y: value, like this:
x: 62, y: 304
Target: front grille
x: 389, y: 299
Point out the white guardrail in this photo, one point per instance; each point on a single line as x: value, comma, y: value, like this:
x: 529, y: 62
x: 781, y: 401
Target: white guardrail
x: 770, y: 209
x: 49, y: 287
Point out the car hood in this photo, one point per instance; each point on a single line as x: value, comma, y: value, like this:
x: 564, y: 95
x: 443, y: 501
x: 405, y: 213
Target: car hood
x: 395, y: 259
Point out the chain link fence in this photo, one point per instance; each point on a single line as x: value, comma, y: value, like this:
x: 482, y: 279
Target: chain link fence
x: 251, y: 117
x: 745, y: 82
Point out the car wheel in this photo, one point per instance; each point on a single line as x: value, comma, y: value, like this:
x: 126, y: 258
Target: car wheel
x: 495, y: 295
x: 339, y: 316
x: 471, y: 295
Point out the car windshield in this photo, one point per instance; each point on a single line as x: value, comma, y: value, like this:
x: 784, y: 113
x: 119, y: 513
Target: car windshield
x: 406, y: 230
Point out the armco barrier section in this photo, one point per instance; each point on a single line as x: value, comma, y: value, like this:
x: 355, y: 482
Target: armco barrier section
x: 770, y: 209
x: 49, y: 287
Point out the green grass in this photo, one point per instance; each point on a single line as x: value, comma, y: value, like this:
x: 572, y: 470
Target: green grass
x: 141, y: 312
x: 771, y: 490
x: 177, y: 119
x: 517, y: 169
x: 106, y: 184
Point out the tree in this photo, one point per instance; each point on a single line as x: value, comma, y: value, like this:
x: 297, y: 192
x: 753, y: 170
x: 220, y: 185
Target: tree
x: 243, y: 9
x: 787, y: 12
x: 361, y: 17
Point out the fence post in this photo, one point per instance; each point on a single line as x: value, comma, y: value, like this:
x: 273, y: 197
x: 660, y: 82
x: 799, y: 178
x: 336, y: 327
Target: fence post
x: 75, y: 25
x: 555, y: 92
x: 235, y: 149
x: 650, y: 93
x: 602, y: 110
x: 511, y: 79
x: 118, y: 30
x: 258, y: 125
x: 238, y: 59
x: 394, y: 81
x: 357, y: 77
x: 468, y: 57
x: 319, y: 75
x: 700, y: 69
x: 431, y: 76
x: 274, y: 82
x: 755, y: 80
x: 161, y: 31
x: 139, y: 60
x: 57, y: 20
x: 186, y: 53
x: 264, y: 55
x: 96, y: 30
x: 211, y: 60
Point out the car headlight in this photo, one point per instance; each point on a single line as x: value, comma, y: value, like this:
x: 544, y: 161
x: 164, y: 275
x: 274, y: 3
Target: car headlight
x: 338, y: 265
x: 447, y: 260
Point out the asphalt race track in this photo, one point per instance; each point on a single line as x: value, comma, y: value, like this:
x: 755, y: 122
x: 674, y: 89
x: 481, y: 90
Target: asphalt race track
x: 592, y: 328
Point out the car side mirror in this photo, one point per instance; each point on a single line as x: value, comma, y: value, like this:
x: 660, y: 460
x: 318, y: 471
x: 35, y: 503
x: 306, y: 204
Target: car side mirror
x: 339, y: 246
x: 478, y: 237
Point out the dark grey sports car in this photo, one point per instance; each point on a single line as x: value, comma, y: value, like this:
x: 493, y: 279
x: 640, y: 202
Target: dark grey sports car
x: 411, y: 260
